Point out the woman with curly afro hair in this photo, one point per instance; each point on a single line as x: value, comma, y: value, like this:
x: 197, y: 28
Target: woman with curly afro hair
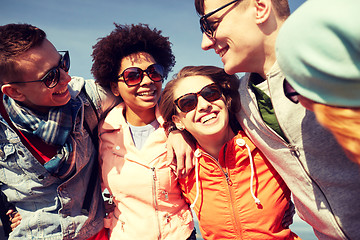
x: 133, y: 61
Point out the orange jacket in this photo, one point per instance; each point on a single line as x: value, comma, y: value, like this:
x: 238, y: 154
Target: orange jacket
x: 226, y: 203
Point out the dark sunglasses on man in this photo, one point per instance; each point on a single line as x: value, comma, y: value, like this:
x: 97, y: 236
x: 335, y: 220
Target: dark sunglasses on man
x: 207, y: 27
x: 189, y: 101
x: 133, y: 76
x: 52, y: 77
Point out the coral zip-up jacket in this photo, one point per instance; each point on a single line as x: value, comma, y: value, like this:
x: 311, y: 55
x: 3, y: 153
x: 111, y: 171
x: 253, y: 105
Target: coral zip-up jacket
x: 148, y: 200
x: 225, y: 205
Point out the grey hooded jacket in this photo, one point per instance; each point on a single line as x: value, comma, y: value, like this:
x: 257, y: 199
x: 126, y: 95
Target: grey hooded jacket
x: 324, y: 182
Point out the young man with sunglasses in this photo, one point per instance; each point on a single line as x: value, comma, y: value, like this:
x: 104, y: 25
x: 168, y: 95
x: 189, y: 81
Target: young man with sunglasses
x: 48, y: 155
x: 324, y: 182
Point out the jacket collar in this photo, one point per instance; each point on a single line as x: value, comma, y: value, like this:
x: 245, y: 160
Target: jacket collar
x: 115, y: 119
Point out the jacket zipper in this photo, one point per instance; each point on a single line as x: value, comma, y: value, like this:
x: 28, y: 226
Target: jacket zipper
x: 229, y: 184
x: 155, y: 200
x: 294, y: 151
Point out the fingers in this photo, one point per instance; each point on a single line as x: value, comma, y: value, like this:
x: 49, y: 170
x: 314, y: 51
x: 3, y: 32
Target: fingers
x: 180, y: 152
x: 10, y: 212
x: 175, y: 151
x: 180, y: 164
x: 189, y: 162
x: 14, y: 217
x: 15, y: 224
x: 176, y: 158
x: 288, y: 216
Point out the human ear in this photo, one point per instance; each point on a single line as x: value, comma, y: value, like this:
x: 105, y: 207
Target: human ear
x: 263, y: 10
x: 115, y: 88
x: 179, y: 125
x: 13, y: 92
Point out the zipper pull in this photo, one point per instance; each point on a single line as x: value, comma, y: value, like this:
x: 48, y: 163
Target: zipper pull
x: 122, y: 225
x: 167, y: 216
x: 166, y: 195
x: 294, y: 150
x: 153, y: 173
x: 228, y: 179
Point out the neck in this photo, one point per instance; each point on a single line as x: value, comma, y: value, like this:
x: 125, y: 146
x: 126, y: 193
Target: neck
x: 213, y: 144
x: 140, y: 118
x: 271, y: 29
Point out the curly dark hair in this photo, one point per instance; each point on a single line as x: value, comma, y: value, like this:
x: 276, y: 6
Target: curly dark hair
x: 228, y: 84
x: 123, y: 41
x: 16, y: 39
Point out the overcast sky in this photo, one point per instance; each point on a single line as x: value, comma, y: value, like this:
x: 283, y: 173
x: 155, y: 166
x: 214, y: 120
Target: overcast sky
x: 75, y: 25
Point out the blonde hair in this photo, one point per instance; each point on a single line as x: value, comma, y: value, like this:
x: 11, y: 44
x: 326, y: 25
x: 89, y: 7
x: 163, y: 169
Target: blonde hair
x: 344, y: 123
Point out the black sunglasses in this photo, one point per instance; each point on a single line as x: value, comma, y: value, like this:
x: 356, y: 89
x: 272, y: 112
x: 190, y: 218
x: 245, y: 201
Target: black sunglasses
x: 189, y: 101
x: 52, y: 77
x: 205, y: 26
x: 133, y: 75
x: 290, y: 92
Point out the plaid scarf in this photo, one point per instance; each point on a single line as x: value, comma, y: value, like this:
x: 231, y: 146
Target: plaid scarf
x: 53, y: 128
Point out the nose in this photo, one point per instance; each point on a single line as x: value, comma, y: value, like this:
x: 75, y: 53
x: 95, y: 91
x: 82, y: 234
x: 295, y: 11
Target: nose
x: 202, y: 104
x: 207, y: 42
x: 65, y: 78
x: 146, y: 80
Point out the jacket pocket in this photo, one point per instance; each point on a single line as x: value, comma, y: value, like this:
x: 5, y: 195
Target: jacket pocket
x: 10, y: 171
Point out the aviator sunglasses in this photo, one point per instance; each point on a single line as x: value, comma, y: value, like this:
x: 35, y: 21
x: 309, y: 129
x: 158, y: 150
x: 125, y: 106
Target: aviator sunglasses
x: 205, y: 26
x: 52, y: 77
x: 133, y: 75
x: 189, y: 101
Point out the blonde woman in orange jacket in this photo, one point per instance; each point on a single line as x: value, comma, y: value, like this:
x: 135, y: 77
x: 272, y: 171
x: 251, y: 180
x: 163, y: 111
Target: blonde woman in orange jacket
x: 234, y: 190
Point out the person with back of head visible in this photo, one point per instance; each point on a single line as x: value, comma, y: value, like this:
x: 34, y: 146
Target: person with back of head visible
x: 323, y: 181
x: 325, y: 67
x: 48, y: 163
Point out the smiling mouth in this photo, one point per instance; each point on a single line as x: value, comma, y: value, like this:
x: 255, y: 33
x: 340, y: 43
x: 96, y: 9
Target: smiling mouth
x: 207, y: 118
x: 60, y: 92
x: 149, y: 93
x: 222, y: 52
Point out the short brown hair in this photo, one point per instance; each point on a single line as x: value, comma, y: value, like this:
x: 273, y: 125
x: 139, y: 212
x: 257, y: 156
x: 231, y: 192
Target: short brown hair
x: 16, y: 39
x: 282, y: 8
x: 228, y: 84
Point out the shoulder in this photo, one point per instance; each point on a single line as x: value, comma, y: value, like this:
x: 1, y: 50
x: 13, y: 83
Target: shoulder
x: 114, y: 120
x: 102, y: 99
x: 75, y: 86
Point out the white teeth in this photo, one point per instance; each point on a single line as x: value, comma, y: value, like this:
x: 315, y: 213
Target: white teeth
x: 151, y: 93
x: 207, y: 118
x: 222, y: 53
x: 61, y: 92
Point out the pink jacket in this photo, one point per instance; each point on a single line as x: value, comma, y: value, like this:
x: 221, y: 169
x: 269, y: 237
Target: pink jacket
x: 145, y: 190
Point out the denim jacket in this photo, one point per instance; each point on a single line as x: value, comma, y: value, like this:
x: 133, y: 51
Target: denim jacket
x: 52, y: 208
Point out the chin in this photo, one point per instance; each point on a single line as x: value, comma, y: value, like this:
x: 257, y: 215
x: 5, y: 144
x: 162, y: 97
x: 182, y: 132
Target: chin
x: 229, y: 69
